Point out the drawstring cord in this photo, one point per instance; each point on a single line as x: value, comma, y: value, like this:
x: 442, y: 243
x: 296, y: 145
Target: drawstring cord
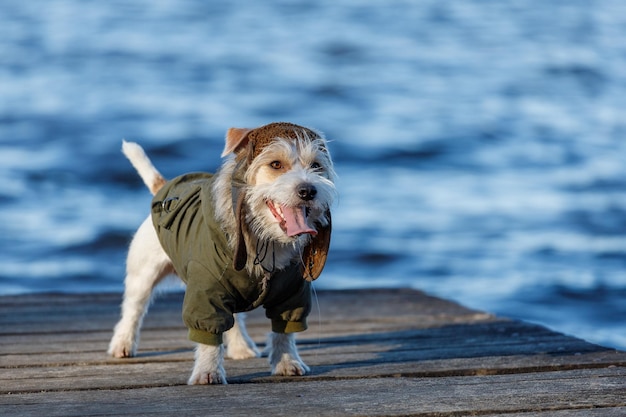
x: 259, y: 259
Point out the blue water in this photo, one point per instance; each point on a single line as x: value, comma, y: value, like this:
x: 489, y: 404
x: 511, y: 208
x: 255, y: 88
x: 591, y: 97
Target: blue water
x: 481, y: 145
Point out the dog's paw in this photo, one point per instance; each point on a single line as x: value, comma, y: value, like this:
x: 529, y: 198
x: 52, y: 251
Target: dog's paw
x: 290, y: 367
x: 121, y: 352
x: 208, y: 378
x: 208, y: 368
x: 121, y: 348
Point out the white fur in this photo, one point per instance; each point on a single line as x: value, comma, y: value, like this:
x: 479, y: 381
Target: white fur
x: 148, y: 264
x: 238, y: 344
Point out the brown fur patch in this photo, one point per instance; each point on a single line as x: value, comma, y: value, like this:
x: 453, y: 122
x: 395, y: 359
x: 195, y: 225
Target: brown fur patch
x: 157, y: 184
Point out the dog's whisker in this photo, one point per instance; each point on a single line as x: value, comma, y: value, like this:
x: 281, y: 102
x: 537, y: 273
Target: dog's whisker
x: 319, y: 319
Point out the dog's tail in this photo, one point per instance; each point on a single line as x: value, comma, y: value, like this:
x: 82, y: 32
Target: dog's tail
x: 148, y: 173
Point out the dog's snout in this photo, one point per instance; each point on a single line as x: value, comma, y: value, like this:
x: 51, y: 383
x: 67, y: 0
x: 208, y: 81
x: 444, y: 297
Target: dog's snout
x: 307, y: 192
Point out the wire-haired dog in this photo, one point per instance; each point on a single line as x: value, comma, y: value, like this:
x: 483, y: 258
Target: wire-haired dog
x: 254, y: 234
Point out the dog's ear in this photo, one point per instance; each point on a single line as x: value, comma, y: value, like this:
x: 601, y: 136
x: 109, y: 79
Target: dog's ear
x: 236, y: 138
x: 315, y: 253
x: 241, y: 253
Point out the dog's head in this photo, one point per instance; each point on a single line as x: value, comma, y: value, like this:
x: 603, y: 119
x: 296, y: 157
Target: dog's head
x: 283, y: 187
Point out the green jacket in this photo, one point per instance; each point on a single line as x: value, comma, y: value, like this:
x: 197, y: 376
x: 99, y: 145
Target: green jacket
x: 183, y: 217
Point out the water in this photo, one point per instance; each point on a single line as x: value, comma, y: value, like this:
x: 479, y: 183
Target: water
x: 481, y: 145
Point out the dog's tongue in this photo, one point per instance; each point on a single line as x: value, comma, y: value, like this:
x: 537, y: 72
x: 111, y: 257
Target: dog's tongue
x: 295, y: 221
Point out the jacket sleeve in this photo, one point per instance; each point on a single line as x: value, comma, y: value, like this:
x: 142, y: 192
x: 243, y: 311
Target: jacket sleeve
x: 288, y: 315
x: 207, y: 308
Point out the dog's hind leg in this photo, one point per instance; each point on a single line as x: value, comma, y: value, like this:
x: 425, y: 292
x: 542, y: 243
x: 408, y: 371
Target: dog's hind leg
x: 284, y: 357
x: 147, y: 265
x: 238, y: 344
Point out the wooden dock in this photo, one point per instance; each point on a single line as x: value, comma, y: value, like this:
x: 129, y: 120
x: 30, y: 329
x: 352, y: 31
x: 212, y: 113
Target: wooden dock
x: 372, y: 353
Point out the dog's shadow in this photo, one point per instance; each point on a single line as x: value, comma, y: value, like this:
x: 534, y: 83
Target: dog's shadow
x: 387, y: 353
x: 161, y: 353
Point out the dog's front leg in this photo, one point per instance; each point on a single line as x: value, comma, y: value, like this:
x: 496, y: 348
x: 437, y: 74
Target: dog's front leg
x: 284, y: 357
x: 209, y: 366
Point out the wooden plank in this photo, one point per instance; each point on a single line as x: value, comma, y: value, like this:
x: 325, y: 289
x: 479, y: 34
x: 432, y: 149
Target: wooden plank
x: 379, y: 352
x: 174, y: 369
x: 502, y: 394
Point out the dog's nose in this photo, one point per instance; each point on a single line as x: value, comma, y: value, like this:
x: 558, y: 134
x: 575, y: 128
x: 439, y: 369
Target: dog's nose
x: 307, y: 192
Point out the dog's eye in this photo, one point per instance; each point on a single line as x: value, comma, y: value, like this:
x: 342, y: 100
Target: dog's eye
x: 276, y: 165
x: 315, y: 166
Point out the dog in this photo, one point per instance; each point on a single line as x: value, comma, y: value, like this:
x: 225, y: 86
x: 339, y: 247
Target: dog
x: 255, y: 233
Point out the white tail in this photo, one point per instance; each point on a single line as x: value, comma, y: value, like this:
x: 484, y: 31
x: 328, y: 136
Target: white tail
x: 148, y: 173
